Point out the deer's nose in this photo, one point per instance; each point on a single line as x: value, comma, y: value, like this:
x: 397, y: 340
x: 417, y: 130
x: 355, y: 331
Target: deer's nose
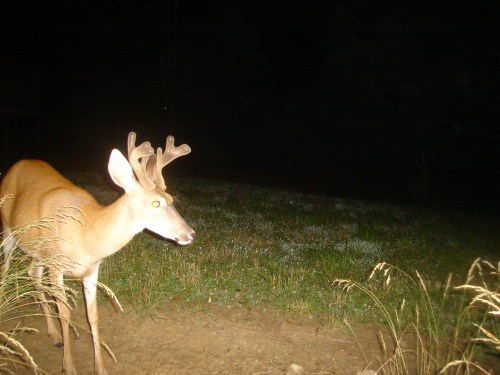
x: 191, y: 235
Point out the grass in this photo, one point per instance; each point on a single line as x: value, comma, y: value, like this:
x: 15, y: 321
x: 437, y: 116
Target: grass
x: 286, y: 251
x: 18, y: 298
x: 436, y: 348
x: 18, y: 301
x: 283, y: 250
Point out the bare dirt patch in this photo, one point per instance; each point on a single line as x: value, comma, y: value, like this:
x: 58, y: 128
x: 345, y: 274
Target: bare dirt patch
x: 213, y: 340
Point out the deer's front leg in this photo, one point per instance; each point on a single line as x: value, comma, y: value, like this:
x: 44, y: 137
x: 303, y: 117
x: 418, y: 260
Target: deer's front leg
x: 90, y: 290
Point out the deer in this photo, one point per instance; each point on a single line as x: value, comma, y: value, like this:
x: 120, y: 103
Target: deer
x: 38, y: 190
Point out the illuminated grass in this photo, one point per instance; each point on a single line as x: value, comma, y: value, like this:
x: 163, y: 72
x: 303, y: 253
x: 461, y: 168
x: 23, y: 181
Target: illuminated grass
x: 282, y: 250
x: 420, y: 340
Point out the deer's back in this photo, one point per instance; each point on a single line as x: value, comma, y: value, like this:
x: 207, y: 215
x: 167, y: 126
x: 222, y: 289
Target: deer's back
x: 38, y: 190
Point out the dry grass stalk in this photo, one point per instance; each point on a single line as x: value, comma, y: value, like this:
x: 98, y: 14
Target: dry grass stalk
x: 18, y: 296
x: 483, y: 281
x: 12, y: 347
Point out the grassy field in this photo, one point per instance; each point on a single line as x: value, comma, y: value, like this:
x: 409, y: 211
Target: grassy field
x: 283, y: 250
x: 315, y: 256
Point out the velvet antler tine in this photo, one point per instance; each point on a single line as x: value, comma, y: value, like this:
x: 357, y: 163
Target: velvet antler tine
x: 162, y: 159
x: 131, y: 142
x: 138, y: 158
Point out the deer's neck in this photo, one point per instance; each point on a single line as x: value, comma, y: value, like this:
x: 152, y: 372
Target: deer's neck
x: 112, y: 227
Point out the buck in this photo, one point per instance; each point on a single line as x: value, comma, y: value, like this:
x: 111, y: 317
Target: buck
x: 98, y: 231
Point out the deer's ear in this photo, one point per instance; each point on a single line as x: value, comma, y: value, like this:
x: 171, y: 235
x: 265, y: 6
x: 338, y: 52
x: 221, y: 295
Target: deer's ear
x: 121, y: 171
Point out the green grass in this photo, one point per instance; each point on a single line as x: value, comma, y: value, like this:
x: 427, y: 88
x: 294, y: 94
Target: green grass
x: 425, y: 343
x: 283, y: 250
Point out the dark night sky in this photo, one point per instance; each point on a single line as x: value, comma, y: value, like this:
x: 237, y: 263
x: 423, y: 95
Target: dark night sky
x: 385, y: 100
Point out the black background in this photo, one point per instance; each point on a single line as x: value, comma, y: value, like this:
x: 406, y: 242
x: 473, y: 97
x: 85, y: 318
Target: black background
x: 394, y: 101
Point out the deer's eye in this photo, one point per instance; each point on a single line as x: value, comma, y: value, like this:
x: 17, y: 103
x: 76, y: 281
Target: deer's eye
x: 156, y: 203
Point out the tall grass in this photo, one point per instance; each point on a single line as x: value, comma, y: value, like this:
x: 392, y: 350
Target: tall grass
x: 18, y: 297
x: 482, y: 287
x: 450, y: 334
x: 18, y: 300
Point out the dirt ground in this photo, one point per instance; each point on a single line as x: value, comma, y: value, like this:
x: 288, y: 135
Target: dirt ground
x: 214, y: 340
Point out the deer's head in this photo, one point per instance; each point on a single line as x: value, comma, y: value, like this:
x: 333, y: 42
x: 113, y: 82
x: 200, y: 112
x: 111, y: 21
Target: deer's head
x: 141, y: 178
